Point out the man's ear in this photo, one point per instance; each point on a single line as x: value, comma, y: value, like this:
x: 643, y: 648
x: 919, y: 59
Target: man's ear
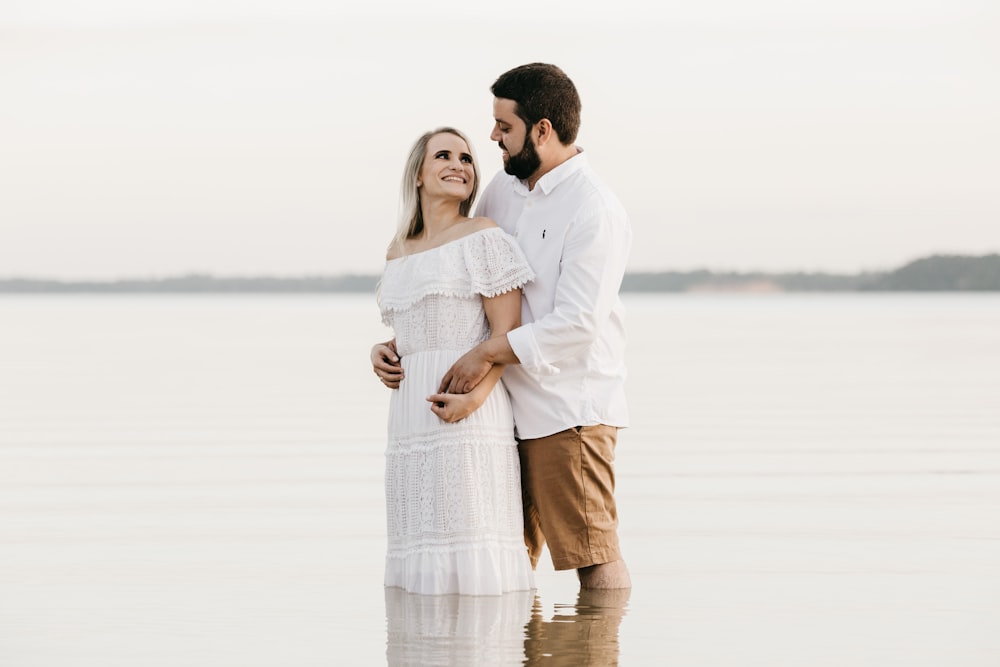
x: 544, y: 132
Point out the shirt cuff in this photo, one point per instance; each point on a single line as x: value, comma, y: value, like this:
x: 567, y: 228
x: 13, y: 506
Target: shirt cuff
x: 524, y: 344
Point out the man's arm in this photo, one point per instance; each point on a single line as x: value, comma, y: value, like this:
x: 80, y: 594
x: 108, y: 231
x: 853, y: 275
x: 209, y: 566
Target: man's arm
x: 504, y: 313
x: 592, y: 265
x: 470, y: 369
x: 385, y: 363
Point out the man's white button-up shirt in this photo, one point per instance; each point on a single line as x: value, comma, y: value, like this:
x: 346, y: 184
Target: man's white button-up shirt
x: 576, y: 236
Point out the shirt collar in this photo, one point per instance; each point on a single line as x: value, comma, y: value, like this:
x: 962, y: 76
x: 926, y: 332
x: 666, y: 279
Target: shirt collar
x: 553, y: 178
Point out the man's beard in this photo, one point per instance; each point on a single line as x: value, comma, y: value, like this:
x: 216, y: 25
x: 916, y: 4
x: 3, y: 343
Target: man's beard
x: 525, y: 163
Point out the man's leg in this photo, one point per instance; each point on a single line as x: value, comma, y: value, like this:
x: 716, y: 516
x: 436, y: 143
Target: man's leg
x: 598, y: 467
x: 605, y: 576
x: 534, y: 538
x: 571, y: 482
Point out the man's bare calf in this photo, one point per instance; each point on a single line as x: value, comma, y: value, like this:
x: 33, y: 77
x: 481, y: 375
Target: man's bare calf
x: 605, y: 576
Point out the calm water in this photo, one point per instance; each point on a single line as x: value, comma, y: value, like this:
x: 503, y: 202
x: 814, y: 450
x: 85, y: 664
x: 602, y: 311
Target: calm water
x: 809, y: 480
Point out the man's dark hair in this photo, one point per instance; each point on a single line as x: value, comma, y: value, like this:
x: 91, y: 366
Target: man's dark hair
x: 542, y: 91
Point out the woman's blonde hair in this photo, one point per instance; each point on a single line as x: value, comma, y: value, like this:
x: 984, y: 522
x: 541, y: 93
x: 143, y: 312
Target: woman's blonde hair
x: 411, y: 219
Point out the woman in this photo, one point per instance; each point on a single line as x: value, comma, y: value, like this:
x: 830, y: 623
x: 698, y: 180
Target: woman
x: 453, y: 492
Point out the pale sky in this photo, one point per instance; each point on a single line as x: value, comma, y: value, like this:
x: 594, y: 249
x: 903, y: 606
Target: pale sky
x: 268, y: 136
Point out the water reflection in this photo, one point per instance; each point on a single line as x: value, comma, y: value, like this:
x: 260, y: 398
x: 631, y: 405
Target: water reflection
x: 456, y: 629
x: 502, y: 631
x: 578, y: 635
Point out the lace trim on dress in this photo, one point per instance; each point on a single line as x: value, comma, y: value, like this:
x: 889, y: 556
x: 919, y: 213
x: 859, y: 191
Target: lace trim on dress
x: 487, y: 262
x: 444, y: 438
x: 452, y: 543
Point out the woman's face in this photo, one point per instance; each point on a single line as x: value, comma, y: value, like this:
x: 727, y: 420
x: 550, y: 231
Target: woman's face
x: 448, y: 170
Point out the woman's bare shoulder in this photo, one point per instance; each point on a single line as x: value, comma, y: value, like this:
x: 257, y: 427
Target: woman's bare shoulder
x: 394, y: 251
x: 482, y: 223
x: 474, y: 226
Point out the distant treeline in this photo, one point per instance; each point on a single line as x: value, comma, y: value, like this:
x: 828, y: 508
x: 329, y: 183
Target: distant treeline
x: 940, y: 273
x: 197, y: 282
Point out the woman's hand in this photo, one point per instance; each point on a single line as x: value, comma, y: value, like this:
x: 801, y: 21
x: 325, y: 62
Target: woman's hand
x: 453, y: 407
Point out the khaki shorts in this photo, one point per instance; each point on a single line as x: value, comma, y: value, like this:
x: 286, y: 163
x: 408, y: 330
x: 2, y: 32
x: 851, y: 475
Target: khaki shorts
x: 568, y: 484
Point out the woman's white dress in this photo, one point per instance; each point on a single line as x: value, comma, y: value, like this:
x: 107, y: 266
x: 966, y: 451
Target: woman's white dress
x: 453, y: 491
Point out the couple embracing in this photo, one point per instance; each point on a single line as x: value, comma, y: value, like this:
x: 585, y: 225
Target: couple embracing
x: 482, y: 473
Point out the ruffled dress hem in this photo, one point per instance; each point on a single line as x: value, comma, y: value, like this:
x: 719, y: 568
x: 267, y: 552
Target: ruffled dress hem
x: 481, y: 570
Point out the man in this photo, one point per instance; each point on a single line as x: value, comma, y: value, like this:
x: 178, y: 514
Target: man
x: 565, y: 364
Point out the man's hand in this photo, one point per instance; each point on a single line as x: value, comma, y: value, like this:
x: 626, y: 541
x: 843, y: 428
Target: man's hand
x: 466, y: 373
x: 385, y: 363
x: 452, y: 407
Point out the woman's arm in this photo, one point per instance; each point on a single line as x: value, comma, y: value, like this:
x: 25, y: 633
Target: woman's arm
x: 503, y: 313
